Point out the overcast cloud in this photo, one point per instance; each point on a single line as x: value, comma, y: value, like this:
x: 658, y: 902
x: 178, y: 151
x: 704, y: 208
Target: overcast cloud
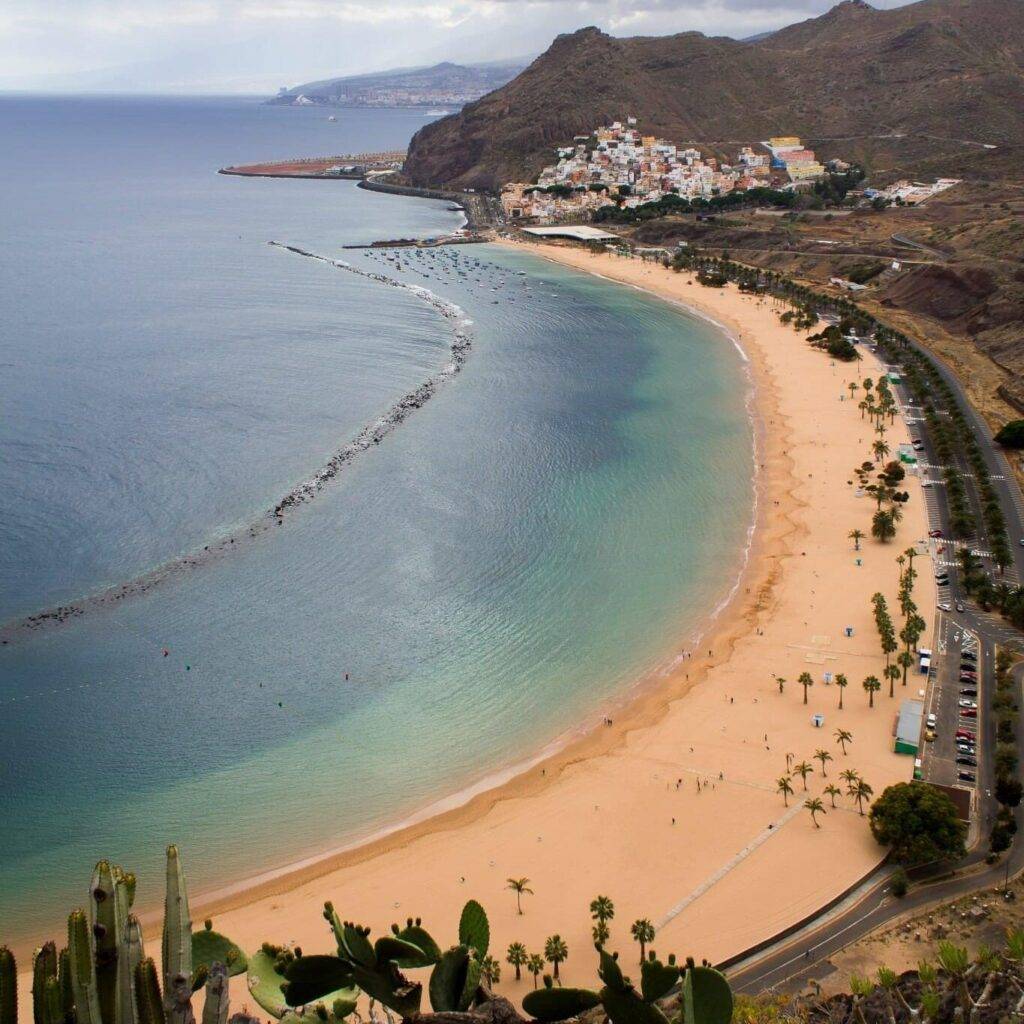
x: 257, y: 45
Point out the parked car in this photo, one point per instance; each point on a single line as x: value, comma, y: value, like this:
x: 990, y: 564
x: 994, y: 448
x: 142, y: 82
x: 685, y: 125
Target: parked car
x: 968, y: 713
x: 968, y: 692
x: 967, y: 777
x: 934, y: 533
x: 972, y: 705
x: 968, y: 668
x: 966, y: 759
x: 930, y: 721
x: 943, y: 607
x: 968, y: 656
x: 966, y: 749
x: 965, y: 734
x: 960, y: 606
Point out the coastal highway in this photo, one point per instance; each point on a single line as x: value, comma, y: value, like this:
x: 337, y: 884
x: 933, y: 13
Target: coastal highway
x: 796, y: 959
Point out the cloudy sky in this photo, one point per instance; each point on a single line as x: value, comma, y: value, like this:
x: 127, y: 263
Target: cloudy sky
x: 257, y: 45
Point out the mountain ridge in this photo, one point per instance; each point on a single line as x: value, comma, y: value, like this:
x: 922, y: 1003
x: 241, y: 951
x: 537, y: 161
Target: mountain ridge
x: 929, y: 68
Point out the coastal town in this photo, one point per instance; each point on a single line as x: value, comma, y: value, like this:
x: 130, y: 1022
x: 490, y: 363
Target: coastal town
x: 618, y: 166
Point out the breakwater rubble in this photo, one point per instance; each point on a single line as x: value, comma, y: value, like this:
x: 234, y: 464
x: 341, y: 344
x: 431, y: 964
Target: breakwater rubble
x: 370, y: 435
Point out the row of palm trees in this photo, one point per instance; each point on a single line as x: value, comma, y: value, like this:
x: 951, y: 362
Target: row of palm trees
x: 856, y: 788
x: 871, y: 684
x: 556, y: 951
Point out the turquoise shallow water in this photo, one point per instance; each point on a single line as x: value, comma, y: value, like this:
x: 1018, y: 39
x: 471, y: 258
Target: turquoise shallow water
x: 542, y: 533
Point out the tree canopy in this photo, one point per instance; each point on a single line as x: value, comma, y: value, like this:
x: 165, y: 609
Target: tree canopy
x: 1012, y: 435
x: 919, y: 823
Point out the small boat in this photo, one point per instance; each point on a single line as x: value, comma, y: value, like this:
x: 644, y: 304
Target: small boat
x: 332, y: 118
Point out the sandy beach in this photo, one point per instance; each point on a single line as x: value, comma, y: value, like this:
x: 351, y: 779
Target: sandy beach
x: 719, y: 865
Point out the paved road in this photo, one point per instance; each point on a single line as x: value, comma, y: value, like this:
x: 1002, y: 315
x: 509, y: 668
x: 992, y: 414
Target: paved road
x: 791, y: 962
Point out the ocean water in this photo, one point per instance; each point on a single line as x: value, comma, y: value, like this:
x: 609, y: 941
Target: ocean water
x: 549, y: 528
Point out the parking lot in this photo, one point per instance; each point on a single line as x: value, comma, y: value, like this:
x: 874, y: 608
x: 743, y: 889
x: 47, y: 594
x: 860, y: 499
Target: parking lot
x: 952, y: 702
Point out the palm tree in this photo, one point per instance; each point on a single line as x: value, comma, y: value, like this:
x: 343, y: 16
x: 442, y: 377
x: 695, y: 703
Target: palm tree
x: 518, y: 958
x: 803, y: 769
x: 805, y: 680
x: 519, y: 886
x: 823, y: 756
x: 785, y: 787
x: 490, y: 971
x: 893, y: 672
x: 600, y: 933
x: 833, y: 791
x: 881, y: 449
x: 851, y: 777
x: 815, y: 806
x: 842, y: 682
x: 861, y: 792
x: 556, y: 951
x: 643, y: 931
x: 856, y: 536
x: 781, y: 681
x: 904, y: 659
x: 535, y: 965
x: 853, y: 387
x: 843, y: 736
x: 871, y: 687
x: 602, y: 909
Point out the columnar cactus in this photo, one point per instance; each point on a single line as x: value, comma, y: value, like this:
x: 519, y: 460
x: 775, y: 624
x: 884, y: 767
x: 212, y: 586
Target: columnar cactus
x: 102, y: 975
x: 177, y: 935
x: 44, y: 971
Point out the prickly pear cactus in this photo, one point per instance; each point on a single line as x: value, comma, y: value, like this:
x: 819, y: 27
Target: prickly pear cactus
x: 474, y: 928
x: 550, y: 1004
x: 657, y: 979
x: 707, y: 997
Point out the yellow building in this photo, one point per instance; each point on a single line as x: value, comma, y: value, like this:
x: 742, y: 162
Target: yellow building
x: 801, y: 172
x: 784, y: 142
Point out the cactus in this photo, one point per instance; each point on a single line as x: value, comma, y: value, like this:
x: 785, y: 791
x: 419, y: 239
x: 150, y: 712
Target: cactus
x: 177, y: 934
x: 67, y: 997
x: 101, y: 976
x: 278, y: 979
x: 216, y: 1003
x: 130, y: 954
x: 549, y: 1004
x: 379, y: 975
x: 53, y: 1003
x: 8, y: 987
x: 311, y: 978
x: 179, y: 1001
x: 147, y: 993
x: 707, y: 998
x: 319, y: 1014
x: 44, y: 970
x: 657, y: 979
x: 209, y: 947
x: 474, y: 929
x: 83, y: 970
x: 454, y: 980
x: 414, y: 933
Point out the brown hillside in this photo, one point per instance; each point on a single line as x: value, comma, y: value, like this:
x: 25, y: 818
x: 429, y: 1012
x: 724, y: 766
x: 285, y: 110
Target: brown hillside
x: 880, y: 84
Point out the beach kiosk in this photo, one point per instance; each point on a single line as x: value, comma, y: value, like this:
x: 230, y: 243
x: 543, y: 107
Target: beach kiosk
x: 908, y: 727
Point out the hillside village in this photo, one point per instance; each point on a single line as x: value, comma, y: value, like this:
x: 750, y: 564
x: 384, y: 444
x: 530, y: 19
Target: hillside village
x: 618, y: 166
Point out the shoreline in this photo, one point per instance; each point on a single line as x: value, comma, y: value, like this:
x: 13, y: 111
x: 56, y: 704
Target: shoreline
x: 675, y: 706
